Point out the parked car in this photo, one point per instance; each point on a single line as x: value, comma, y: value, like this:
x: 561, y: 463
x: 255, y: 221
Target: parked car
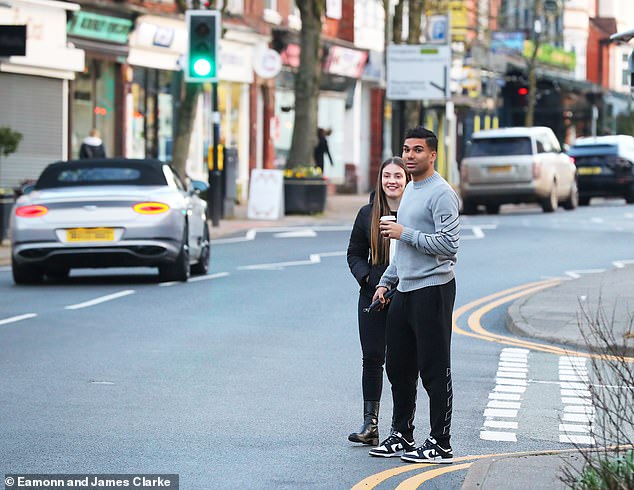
x: 109, y: 213
x: 605, y: 167
x: 517, y: 165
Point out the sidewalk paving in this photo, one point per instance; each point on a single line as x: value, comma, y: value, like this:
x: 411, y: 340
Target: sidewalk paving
x: 551, y: 315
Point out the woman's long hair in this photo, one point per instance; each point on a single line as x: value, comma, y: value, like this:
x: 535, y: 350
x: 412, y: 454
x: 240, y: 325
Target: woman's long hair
x: 379, y: 247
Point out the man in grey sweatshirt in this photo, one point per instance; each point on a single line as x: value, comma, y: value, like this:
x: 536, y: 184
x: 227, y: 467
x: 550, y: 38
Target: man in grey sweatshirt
x: 419, y: 320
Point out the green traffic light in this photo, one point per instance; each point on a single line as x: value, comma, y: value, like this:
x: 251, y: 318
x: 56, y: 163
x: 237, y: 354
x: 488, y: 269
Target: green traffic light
x: 202, y: 67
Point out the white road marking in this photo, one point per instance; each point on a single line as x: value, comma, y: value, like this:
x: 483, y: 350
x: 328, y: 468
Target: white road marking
x: 478, y: 234
x: 575, y: 393
x: 510, y: 381
x: 574, y: 439
x: 500, y: 412
x: 208, y: 276
x: 511, y: 374
x: 575, y: 401
x: 578, y: 411
x: 312, y: 259
x: 296, y: 234
x: 17, y: 318
x: 504, y: 404
x: 501, y: 424
x: 622, y: 263
x: 252, y: 233
x: 573, y: 428
x: 505, y: 398
x: 577, y: 273
x: 101, y: 299
x: 492, y: 435
x: 194, y: 279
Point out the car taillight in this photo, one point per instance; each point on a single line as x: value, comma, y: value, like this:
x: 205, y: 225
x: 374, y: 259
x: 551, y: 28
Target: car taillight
x: 34, y: 211
x: 537, y: 169
x: 151, y: 208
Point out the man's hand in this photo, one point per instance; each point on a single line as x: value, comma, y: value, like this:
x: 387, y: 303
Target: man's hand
x: 380, y: 295
x: 390, y: 229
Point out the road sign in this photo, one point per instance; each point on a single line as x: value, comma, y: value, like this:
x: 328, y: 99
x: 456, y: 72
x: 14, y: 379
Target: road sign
x: 418, y: 72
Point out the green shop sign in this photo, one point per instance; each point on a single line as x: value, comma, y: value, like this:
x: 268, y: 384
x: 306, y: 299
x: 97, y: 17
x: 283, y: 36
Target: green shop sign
x: 102, y: 27
x: 550, y: 55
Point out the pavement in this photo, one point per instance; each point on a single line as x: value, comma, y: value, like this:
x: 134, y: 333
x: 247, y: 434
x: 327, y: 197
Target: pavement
x: 551, y: 315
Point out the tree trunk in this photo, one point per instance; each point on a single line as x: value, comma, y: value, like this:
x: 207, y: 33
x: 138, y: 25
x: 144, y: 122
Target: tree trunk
x: 531, y: 68
x: 397, y: 23
x: 307, y: 80
x: 413, y: 107
x: 185, y: 124
x: 532, y: 87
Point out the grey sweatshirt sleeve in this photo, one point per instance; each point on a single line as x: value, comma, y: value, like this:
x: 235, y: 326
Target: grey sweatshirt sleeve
x: 444, y: 242
x: 389, y: 277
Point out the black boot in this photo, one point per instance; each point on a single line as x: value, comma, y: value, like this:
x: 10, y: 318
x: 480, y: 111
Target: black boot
x: 369, y: 432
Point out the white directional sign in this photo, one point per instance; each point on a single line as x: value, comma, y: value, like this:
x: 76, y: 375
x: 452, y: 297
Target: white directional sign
x: 418, y: 72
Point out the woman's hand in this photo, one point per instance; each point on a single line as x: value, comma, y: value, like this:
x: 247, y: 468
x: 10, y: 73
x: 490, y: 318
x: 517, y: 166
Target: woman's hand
x: 390, y: 229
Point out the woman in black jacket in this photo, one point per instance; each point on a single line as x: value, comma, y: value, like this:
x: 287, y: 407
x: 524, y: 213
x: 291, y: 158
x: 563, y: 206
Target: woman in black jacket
x: 368, y: 257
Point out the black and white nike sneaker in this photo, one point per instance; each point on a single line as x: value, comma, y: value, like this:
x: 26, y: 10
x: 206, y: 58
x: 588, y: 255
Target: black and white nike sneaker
x: 395, y: 445
x: 429, y: 452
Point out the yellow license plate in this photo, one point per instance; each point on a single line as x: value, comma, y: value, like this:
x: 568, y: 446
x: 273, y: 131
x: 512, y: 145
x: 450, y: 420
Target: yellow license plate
x: 90, y: 234
x: 589, y: 170
x: 500, y: 169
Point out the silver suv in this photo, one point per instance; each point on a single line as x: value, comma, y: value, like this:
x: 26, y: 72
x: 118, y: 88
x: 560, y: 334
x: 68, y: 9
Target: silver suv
x: 517, y: 165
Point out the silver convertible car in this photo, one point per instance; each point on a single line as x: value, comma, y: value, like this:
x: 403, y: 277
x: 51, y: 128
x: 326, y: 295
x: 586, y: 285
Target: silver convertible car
x: 109, y: 213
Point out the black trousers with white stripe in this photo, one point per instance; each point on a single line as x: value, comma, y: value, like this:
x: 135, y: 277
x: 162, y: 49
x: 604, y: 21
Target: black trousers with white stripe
x: 418, y: 337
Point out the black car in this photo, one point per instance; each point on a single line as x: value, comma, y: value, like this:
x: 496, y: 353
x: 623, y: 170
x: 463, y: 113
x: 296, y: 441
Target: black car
x: 605, y: 167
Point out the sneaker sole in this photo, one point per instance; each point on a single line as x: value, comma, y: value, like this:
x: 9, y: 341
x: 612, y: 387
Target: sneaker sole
x: 410, y: 459
x: 387, y: 455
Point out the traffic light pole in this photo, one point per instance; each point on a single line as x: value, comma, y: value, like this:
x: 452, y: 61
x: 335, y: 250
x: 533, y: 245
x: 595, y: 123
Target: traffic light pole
x: 214, y: 197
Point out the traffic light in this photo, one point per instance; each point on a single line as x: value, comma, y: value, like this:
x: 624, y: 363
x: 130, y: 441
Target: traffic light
x: 522, y: 96
x: 203, y: 28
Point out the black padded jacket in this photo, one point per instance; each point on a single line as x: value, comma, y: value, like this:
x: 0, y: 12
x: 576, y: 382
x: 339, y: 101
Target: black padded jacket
x: 358, y: 255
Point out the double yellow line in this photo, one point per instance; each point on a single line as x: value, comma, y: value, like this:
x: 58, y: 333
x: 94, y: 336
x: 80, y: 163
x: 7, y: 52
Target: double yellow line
x: 492, y: 301
x: 476, y: 330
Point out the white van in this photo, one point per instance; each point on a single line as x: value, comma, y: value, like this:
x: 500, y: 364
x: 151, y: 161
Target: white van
x: 517, y: 165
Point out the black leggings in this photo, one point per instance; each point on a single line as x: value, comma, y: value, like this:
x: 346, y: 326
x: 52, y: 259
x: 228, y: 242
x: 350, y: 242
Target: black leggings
x: 372, y: 336
x: 419, y: 343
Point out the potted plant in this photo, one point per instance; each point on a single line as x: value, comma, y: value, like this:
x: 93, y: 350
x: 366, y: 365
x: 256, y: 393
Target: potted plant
x: 305, y: 190
x: 9, y: 141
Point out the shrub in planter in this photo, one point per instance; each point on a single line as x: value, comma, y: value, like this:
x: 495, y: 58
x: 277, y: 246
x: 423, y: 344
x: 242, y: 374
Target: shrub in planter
x: 305, y: 190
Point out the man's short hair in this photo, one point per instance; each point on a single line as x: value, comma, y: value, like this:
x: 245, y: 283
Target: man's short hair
x: 423, y: 133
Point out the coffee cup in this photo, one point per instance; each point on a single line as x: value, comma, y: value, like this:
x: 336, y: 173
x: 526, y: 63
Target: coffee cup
x: 388, y: 217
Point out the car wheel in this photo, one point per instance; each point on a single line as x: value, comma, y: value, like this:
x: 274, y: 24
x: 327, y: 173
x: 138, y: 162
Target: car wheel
x: 492, y: 208
x: 469, y: 207
x: 629, y: 196
x: 26, y: 274
x: 573, y: 199
x: 551, y: 202
x: 201, y: 267
x: 179, y: 269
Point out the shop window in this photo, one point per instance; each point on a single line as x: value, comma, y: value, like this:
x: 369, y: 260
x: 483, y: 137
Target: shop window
x: 93, y: 105
x: 150, y: 114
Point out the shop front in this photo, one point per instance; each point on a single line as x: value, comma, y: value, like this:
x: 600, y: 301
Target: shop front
x: 153, y: 85
x: 97, y: 93
x: 235, y: 77
x: 34, y: 89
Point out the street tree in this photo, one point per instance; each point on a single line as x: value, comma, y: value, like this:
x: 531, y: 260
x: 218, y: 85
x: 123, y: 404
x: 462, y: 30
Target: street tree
x: 188, y: 102
x: 307, y: 80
